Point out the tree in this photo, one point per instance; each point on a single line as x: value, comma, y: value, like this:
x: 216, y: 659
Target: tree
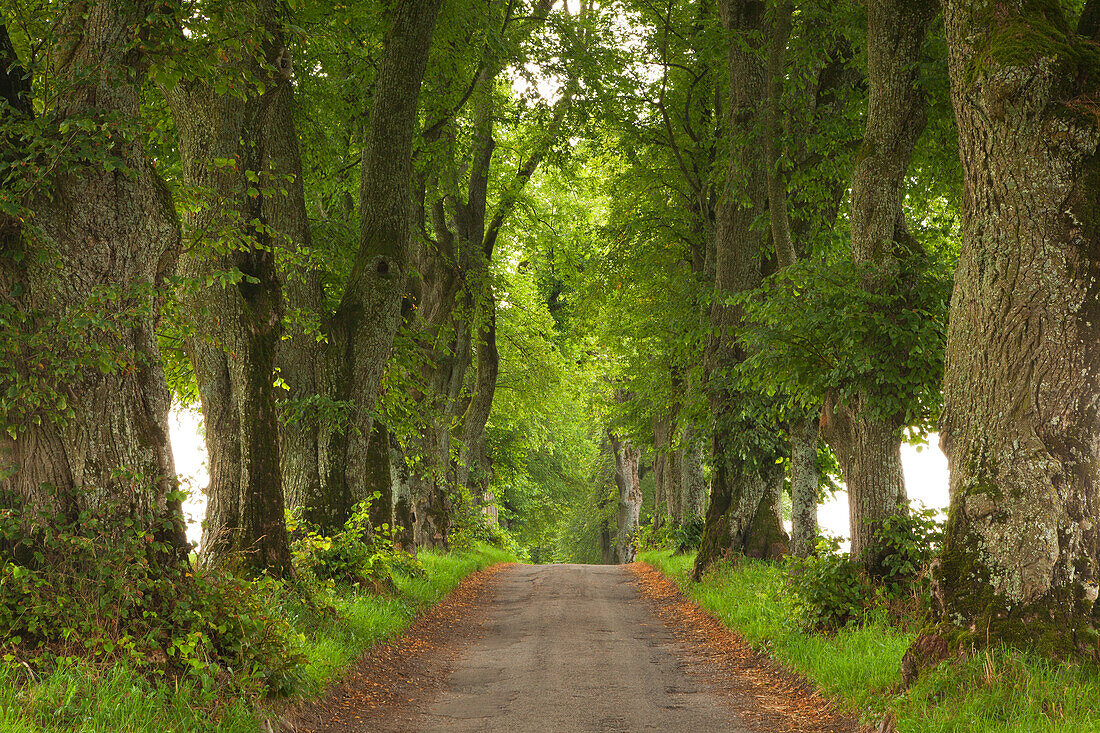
x: 743, y: 515
x: 629, y: 493
x: 866, y: 438
x: 88, y: 236
x: 1020, y: 560
x: 227, y: 118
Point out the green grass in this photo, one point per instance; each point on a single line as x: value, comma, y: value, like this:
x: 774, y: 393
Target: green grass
x: 1000, y: 690
x: 83, y: 698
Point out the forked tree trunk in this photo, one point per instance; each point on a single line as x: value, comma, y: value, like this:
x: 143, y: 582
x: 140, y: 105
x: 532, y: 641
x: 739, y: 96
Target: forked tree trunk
x: 629, y: 489
x: 1021, y: 562
x: 116, y: 234
x: 369, y: 313
x: 866, y: 443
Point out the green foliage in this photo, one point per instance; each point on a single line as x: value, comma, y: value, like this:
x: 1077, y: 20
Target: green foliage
x: 358, y: 553
x: 102, y: 586
x: 671, y: 536
x: 815, y: 330
x: 472, y: 527
x: 909, y: 541
x: 830, y: 590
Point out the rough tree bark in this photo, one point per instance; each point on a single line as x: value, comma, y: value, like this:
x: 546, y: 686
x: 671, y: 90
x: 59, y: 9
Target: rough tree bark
x: 804, y: 483
x: 238, y: 324
x: 662, y: 497
x: 743, y: 515
x: 693, y: 480
x: 369, y: 313
x: 630, y: 500
x: 868, y: 445
x: 1022, y: 381
x: 99, y: 230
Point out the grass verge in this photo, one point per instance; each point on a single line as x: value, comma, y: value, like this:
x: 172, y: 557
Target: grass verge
x: 999, y: 690
x: 85, y: 698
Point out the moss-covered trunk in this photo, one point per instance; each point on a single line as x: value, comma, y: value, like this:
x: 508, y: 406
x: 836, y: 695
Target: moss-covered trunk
x: 1021, y: 561
x: 83, y: 276
x: 742, y: 513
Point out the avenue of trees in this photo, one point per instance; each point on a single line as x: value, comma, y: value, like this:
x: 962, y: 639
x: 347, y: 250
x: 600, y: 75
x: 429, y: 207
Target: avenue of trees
x: 568, y: 268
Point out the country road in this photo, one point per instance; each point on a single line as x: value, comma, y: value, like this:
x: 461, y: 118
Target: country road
x: 564, y: 648
x: 572, y: 648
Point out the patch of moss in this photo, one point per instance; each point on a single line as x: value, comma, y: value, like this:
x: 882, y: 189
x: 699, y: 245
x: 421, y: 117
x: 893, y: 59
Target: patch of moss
x: 1012, y: 38
x: 1059, y: 624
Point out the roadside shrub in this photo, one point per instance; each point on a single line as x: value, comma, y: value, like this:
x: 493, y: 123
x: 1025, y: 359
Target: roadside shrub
x: 652, y: 536
x: 103, y: 587
x: 359, y: 553
x: 671, y: 536
x: 470, y: 526
x: 912, y: 539
x: 689, y: 535
x: 830, y: 591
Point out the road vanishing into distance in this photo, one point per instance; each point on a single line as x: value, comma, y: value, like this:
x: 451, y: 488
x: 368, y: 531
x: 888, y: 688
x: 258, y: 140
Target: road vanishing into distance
x: 571, y: 648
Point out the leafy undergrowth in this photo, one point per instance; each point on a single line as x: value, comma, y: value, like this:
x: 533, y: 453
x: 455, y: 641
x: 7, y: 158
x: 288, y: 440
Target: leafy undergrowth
x: 999, y: 690
x: 93, y: 698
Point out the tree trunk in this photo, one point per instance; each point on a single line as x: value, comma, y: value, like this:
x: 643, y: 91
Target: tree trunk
x: 1022, y: 382
x: 379, y: 481
x: 101, y: 433
x: 675, y: 491
x: 403, y: 519
x: 804, y: 483
x: 693, y: 479
x: 630, y: 500
x: 369, y: 313
x: 306, y: 423
x: 868, y: 445
x: 869, y: 454
x: 661, y: 498
x: 740, y: 517
x: 238, y: 323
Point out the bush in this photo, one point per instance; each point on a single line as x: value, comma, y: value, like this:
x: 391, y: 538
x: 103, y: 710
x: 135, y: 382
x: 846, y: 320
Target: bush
x: 103, y: 587
x: 357, y: 554
x: 471, y: 526
x: 830, y: 591
x: 671, y: 536
x: 911, y: 540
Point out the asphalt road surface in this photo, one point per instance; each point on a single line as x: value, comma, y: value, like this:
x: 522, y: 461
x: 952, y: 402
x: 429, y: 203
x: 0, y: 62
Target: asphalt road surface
x: 572, y: 648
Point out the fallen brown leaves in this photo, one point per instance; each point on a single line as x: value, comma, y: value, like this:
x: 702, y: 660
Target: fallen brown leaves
x: 391, y: 678
x: 767, y: 696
